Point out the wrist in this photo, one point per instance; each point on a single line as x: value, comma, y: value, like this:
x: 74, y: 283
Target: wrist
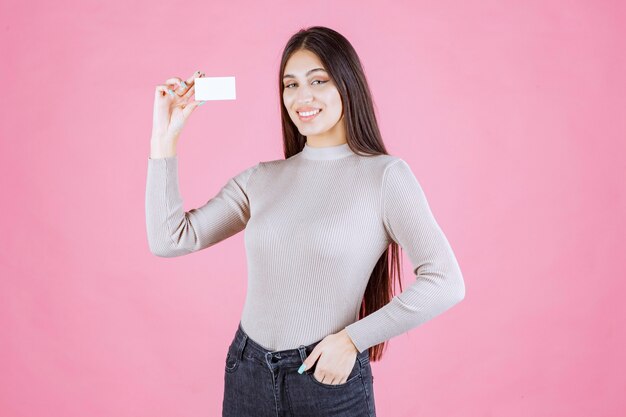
x: 349, y: 340
x: 161, y: 148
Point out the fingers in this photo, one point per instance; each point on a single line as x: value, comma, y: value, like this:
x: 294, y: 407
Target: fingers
x: 163, y: 90
x: 173, y: 81
x: 184, y: 86
x: 191, y: 105
x: 189, y: 93
x: 175, y: 86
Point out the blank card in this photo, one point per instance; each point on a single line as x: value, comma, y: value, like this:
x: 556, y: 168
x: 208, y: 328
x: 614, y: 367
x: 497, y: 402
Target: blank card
x: 214, y: 88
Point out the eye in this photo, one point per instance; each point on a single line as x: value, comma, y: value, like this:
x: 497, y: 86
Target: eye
x: 320, y: 82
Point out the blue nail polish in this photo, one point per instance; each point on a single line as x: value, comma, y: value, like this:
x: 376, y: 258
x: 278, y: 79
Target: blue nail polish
x: 302, y: 368
x: 201, y: 103
x: 183, y: 84
x: 170, y: 92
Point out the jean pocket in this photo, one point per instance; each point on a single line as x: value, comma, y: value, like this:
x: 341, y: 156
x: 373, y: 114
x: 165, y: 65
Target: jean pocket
x: 232, y: 361
x: 354, y: 375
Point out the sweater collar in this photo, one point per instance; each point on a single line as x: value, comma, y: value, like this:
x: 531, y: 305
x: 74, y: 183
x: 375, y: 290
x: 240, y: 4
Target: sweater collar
x: 326, y: 152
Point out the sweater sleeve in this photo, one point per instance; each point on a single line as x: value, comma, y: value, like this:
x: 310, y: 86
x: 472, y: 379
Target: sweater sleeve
x: 438, y: 283
x: 172, y: 231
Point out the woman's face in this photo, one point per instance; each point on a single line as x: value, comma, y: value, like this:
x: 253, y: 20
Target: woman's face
x: 307, y: 86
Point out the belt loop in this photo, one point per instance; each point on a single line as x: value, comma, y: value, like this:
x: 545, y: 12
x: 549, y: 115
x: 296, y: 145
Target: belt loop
x: 242, y: 345
x: 302, y: 351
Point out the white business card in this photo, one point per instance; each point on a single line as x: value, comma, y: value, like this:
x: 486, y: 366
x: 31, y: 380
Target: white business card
x: 214, y: 88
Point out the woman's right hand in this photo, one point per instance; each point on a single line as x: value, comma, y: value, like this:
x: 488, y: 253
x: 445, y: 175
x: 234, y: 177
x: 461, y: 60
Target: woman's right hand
x: 172, y: 110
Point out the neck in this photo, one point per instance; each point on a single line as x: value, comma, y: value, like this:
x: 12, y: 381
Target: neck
x: 326, y: 152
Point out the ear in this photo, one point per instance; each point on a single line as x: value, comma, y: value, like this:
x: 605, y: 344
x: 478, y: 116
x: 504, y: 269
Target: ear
x: 310, y: 360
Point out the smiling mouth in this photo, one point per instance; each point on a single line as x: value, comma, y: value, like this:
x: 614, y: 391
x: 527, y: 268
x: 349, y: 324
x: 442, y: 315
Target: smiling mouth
x: 309, y: 115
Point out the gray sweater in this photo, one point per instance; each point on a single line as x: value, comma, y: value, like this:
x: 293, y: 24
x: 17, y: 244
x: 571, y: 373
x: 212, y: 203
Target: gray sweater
x: 315, y: 226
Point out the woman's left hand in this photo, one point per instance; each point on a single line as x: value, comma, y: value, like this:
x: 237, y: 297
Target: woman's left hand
x: 336, y: 353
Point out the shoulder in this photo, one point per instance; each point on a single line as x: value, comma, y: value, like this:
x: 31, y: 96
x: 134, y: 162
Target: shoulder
x: 273, y: 166
x: 264, y: 172
x: 398, y: 167
x: 276, y: 166
x: 398, y: 176
x: 381, y: 165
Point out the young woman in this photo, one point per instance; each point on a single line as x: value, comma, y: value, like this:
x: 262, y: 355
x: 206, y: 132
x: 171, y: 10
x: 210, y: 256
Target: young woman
x: 322, y: 234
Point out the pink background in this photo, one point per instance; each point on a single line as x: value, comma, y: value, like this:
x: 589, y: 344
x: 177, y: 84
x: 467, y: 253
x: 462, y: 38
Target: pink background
x: 511, y: 114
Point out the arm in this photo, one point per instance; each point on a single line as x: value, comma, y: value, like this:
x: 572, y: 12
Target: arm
x: 174, y: 232
x: 438, y: 281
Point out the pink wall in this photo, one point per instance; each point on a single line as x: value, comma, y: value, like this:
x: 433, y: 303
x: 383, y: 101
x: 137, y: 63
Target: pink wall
x: 511, y: 115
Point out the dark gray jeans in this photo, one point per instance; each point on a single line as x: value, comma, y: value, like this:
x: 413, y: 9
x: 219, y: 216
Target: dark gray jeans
x: 263, y: 383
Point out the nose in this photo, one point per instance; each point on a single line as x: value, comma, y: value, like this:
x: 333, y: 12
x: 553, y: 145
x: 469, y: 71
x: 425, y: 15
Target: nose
x: 304, y: 95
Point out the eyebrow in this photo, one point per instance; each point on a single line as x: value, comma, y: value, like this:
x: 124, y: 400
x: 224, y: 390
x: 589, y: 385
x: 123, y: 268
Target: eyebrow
x: 307, y: 73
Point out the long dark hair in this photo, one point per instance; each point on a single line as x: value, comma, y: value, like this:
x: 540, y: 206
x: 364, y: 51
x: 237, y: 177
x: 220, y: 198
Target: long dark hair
x: 344, y: 67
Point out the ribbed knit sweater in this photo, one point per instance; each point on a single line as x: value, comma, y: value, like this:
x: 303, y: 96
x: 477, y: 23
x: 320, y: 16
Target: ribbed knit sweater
x: 315, y: 226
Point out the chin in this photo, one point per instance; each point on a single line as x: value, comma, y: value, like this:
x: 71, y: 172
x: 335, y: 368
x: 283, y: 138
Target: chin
x: 312, y: 132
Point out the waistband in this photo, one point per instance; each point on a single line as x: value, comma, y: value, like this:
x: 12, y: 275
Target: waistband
x: 245, y: 344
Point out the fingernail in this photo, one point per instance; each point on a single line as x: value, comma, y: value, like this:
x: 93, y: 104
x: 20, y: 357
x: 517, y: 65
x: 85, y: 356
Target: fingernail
x: 170, y: 92
x: 302, y: 368
x: 183, y: 84
x: 202, y: 102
